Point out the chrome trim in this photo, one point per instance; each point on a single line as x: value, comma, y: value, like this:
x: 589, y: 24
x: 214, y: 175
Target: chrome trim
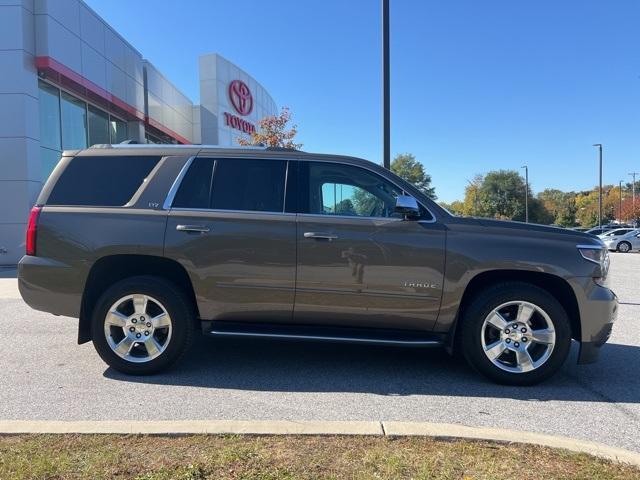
x: 176, y: 184
x: 322, y: 338
x: 212, y: 210
x: 328, y: 215
x: 590, y: 246
x: 192, y: 228
x: 320, y: 236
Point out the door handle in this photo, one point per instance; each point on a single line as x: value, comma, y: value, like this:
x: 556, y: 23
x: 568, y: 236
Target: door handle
x: 192, y: 228
x: 320, y: 236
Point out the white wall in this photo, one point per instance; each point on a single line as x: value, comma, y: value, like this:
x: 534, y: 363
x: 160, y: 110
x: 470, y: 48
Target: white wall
x: 216, y: 73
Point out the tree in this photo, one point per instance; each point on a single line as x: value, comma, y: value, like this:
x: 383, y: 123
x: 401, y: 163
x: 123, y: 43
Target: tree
x: 560, y: 205
x: 407, y: 167
x: 272, y: 132
x: 500, y: 194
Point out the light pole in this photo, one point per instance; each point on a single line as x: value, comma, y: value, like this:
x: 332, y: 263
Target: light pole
x: 599, y: 145
x: 633, y: 194
x: 386, y: 101
x: 620, y: 211
x: 526, y: 193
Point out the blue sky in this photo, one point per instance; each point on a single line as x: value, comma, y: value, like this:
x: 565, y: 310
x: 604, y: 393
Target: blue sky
x: 476, y: 85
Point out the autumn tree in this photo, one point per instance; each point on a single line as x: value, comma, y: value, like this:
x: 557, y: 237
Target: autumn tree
x: 407, y: 167
x: 272, y: 132
x: 560, y: 205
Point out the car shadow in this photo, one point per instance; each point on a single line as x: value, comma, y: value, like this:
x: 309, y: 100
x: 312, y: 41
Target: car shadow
x: 259, y: 365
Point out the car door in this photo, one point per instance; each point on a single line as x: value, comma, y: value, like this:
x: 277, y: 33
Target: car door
x: 359, y: 263
x: 228, y: 228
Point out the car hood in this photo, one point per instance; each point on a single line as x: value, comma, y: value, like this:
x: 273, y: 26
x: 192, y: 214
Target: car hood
x: 509, y: 228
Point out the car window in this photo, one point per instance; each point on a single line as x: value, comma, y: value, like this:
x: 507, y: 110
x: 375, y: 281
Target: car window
x: 194, y: 191
x: 249, y: 185
x: 329, y: 188
x: 346, y: 190
x: 105, y: 181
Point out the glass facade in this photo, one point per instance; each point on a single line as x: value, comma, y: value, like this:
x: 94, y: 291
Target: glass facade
x: 68, y: 123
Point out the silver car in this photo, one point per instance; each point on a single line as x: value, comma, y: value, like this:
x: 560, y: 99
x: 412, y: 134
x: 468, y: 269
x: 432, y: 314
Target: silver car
x: 623, y: 243
x: 617, y: 232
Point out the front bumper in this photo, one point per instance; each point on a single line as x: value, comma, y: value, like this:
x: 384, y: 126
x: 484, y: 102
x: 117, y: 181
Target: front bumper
x: 598, y: 308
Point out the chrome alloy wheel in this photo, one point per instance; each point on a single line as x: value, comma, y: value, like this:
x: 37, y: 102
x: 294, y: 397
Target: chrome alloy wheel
x: 137, y: 328
x: 518, y: 336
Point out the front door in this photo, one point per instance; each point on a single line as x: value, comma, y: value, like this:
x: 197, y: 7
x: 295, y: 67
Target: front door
x: 360, y: 263
x: 228, y: 228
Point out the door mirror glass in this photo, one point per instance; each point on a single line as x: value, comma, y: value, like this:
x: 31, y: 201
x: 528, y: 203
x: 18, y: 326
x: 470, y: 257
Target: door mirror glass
x: 408, y: 206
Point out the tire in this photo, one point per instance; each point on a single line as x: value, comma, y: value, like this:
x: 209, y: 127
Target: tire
x: 479, y: 334
x: 122, y: 316
x: 624, y: 247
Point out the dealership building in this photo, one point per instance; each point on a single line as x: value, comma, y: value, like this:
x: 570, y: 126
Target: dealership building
x: 68, y: 80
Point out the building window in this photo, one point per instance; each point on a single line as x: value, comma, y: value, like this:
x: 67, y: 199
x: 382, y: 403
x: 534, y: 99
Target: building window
x: 98, y: 126
x: 118, y: 130
x: 49, y: 116
x: 74, y: 122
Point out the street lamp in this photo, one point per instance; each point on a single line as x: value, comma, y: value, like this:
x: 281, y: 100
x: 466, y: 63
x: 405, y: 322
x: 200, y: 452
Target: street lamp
x: 386, y: 102
x: 620, y: 211
x: 633, y: 194
x: 599, y: 145
x: 526, y: 193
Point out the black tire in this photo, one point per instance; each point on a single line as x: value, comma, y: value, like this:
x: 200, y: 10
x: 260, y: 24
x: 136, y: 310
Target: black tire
x: 475, y: 313
x: 624, y: 247
x: 178, y: 306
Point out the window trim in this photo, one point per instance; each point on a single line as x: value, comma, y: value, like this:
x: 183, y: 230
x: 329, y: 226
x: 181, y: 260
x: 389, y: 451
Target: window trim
x: 321, y: 215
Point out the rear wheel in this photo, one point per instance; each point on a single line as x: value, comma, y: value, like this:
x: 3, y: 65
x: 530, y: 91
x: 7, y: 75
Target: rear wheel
x: 515, y: 334
x: 624, y: 247
x: 141, y: 325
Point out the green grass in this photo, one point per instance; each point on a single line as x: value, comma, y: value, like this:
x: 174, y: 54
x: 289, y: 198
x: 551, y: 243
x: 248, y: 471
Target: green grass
x: 289, y: 457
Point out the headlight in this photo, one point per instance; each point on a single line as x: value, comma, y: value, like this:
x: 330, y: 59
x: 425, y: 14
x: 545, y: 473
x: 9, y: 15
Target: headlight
x: 597, y: 254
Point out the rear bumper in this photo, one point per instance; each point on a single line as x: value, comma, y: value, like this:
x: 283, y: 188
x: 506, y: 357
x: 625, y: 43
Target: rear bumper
x: 50, y: 286
x: 598, y: 311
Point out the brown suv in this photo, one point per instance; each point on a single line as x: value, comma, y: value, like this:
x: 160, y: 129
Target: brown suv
x: 148, y: 244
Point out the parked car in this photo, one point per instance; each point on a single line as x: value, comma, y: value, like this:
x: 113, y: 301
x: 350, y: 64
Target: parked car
x: 600, y: 230
x: 148, y: 244
x: 623, y: 243
x: 616, y: 232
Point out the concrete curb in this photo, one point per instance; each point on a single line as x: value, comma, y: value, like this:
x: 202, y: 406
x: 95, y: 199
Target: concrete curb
x: 284, y: 427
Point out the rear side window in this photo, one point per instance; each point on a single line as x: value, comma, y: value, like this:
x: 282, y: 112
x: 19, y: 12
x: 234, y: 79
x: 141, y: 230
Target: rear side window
x: 101, y: 181
x: 194, y: 191
x: 251, y: 185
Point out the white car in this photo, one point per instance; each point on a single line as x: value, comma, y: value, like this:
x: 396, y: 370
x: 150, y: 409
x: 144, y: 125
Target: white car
x: 623, y: 243
x: 617, y: 232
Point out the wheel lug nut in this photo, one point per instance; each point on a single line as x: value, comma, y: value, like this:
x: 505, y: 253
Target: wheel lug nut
x: 508, y: 340
x: 138, y: 335
x: 132, y: 329
x: 134, y: 320
x: 507, y: 331
x: 142, y: 318
x: 524, y: 339
x: 149, y: 324
x: 146, y: 332
x: 516, y: 344
x: 515, y: 325
x: 524, y: 330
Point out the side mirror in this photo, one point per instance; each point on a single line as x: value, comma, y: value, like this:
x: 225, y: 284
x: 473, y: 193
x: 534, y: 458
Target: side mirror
x: 408, y: 206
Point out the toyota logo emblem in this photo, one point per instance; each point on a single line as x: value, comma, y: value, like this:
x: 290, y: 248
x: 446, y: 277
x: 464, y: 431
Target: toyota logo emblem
x: 240, y: 97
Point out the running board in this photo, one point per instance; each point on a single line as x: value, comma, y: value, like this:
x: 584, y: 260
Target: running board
x: 365, y: 336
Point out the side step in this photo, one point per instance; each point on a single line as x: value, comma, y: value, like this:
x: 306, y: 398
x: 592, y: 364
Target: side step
x: 367, y: 336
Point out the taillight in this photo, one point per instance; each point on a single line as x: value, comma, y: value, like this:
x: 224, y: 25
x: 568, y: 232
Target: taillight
x: 32, y: 230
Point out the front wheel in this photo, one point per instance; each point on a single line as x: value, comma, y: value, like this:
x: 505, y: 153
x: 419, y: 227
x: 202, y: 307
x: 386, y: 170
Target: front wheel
x: 141, y: 325
x: 515, y: 334
x: 624, y: 247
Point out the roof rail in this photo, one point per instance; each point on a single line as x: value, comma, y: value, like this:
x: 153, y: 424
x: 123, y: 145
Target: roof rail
x: 177, y: 146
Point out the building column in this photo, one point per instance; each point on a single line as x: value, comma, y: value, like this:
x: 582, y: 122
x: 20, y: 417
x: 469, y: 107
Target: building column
x: 20, y: 166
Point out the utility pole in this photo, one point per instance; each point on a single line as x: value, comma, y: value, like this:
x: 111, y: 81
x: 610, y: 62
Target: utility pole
x: 599, y: 145
x: 526, y: 193
x: 386, y: 101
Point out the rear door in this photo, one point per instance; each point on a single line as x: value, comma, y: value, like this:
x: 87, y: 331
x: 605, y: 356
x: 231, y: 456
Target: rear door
x: 359, y: 263
x: 228, y: 228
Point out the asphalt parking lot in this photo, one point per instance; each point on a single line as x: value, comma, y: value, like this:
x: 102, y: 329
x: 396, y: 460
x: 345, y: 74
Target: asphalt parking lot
x: 45, y: 375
